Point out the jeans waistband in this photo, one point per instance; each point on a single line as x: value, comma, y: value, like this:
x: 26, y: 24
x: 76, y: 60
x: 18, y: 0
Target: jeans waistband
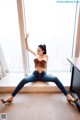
x: 37, y: 73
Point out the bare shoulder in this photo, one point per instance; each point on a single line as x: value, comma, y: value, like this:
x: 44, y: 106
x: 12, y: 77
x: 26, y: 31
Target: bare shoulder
x: 46, y: 56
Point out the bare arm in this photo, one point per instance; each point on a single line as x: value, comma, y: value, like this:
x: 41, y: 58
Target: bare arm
x: 46, y: 66
x: 47, y: 62
x: 27, y: 46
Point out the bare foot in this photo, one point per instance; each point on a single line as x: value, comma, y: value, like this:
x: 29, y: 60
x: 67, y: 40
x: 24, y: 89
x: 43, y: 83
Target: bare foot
x: 71, y: 99
x: 8, y: 99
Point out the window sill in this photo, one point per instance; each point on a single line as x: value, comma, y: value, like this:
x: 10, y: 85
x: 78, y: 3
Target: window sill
x: 8, y: 83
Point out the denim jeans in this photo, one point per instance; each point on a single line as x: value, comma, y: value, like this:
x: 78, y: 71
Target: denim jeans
x: 36, y: 76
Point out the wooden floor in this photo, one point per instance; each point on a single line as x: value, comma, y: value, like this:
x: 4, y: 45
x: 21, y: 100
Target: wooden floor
x: 39, y: 106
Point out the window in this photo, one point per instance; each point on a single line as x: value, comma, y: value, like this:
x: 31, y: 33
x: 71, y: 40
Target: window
x: 9, y: 35
x: 51, y: 23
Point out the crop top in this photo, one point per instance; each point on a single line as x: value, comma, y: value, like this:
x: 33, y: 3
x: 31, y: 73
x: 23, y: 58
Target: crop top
x: 41, y: 63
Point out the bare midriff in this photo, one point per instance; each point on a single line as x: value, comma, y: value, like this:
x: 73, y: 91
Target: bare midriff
x: 39, y: 69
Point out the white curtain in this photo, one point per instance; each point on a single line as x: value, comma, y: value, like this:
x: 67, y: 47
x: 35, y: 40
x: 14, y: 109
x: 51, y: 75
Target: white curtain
x: 3, y: 64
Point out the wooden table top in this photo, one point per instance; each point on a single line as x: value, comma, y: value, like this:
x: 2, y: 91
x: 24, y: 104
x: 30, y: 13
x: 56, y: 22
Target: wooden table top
x: 75, y: 62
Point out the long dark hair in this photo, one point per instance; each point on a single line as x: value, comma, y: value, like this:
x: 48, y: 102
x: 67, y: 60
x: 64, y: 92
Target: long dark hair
x: 43, y: 47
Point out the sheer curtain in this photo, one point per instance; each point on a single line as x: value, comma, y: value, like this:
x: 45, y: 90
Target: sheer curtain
x: 10, y: 36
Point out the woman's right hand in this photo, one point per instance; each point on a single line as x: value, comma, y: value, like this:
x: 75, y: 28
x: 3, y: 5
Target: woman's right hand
x: 27, y: 35
x: 27, y: 46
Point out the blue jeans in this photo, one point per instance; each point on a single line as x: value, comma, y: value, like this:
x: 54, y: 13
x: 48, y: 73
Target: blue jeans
x: 36, y: 76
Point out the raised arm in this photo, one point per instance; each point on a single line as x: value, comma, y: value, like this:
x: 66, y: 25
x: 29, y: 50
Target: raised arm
x: 27, y: 46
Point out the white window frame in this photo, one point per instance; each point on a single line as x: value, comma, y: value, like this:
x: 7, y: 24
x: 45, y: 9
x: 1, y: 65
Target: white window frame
x: 22, y: 36
x: 76, y: 38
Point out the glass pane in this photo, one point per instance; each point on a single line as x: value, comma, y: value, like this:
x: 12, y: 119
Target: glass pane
x: 9, y: 35
x: 51, y: 23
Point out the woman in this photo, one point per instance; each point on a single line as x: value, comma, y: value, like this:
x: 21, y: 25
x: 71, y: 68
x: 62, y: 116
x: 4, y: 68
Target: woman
x: 41, y: 59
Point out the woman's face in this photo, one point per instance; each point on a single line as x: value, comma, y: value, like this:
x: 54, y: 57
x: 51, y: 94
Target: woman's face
x: 39, y: 51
